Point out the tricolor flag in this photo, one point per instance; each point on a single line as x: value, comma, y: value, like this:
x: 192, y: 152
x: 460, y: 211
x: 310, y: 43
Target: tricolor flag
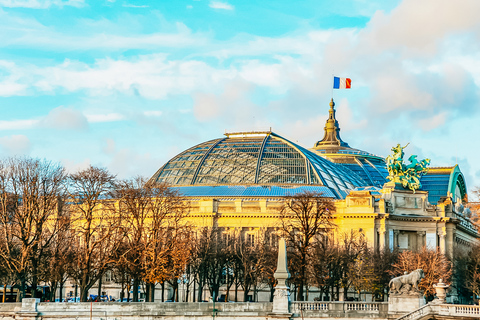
x: 342, y: 83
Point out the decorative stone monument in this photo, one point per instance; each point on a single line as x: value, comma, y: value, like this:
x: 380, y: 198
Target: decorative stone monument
x: 281, y: 297
x: 402, y: 174
x: 404, y: 293
x: 441, y: 289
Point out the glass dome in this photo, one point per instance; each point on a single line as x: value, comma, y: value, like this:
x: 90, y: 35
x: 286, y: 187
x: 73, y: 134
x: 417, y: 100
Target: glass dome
x: 255, y: 158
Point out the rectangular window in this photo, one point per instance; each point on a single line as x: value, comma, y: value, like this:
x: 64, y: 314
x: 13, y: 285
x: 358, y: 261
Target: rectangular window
x: 250, y: 239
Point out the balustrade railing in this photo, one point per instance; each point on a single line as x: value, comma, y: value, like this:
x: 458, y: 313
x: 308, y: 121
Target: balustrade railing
x: 326, y: 307
x: 362, y: 306
x: 310, y: 305
x: 465, y: 310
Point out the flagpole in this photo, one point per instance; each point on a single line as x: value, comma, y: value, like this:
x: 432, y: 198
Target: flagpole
x: 333, y: 83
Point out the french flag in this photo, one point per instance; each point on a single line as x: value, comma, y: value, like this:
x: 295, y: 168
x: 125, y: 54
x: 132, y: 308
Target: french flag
x: 342, y: 83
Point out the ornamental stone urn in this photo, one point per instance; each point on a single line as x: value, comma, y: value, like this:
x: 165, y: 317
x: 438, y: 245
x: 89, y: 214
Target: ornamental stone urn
x: 441, y: 289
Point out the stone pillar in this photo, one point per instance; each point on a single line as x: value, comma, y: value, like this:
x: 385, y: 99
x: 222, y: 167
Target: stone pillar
x: 442, y: 236
x: 450, y: 241
x: 381, y: 238
x: 263, y: 205
x: 420, y: 239
x: 281, y: 297
x: 238, y: 205
x: 395, y: 238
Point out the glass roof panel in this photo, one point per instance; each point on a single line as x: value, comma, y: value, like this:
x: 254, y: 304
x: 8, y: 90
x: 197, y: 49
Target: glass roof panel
x: 281, y: 164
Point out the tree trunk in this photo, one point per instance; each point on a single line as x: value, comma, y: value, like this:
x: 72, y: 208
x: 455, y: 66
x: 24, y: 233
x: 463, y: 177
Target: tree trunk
x: 236, y: 291
x: 135, y: 289
x: 83, y: 294
x: 53, y: 291
x: 22, y: 292
x: 99, y: 292
x: 60, y: 291
x: 163, y: 291
x: 194, y: 288
x: 147, y: 293
x: 200, y: 292
x: 151, y: 287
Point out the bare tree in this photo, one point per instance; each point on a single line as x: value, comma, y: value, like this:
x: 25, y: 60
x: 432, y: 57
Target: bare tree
x: 303, y: 217
x: 435, y: 266
x: 30, y: 190
x: 212, y: 256
x: 467, y: 274
x: 95, y: 226
x: 133, y: 206
x: 58, y: 258
x: 168, y: 247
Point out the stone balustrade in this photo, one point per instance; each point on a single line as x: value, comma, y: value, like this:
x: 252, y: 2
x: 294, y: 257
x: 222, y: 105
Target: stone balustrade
x: 341, y: 309
x: 32, y: 310
x: 447, y: 311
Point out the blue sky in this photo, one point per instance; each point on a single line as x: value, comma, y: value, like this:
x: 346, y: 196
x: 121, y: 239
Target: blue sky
x: 128, y: 84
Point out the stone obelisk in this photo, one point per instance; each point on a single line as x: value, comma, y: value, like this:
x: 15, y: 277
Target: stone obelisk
x: 281, y: 297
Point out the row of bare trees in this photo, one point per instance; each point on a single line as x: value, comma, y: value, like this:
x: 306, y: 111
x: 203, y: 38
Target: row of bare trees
x: 56, y: 226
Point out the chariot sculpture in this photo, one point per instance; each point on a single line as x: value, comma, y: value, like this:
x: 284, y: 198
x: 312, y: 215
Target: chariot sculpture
x: 408, y: 175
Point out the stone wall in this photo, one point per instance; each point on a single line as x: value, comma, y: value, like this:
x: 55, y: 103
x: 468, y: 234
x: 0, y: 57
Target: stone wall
x: 31, y: 309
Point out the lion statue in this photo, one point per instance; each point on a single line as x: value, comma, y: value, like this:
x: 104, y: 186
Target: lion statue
x: 412, y: 279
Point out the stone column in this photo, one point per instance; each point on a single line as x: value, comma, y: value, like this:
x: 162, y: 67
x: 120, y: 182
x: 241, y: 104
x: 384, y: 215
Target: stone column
x: 395, y: 238
x: 442, y: 235
x: 381, y: 238
x: 281, y: 297
x: 450, y: 242
x: 420, y: 239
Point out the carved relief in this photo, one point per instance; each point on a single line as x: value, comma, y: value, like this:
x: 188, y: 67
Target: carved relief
x: 280, y: 293
x: 359, y: 202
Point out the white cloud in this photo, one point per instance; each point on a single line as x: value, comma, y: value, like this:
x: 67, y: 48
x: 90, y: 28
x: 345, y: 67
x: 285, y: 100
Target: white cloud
x: 232, y: 105
x: 73, y: 166
x: 411, y: 26
x: 18, y: 124
x: 109, y: 147
x: 28, y: 32
x: 127, y: 5
x: 110, y: 117
x: 64, y: 119
x: 127, y: 163
x: 189, y: 6
x: 10, y: 76
x: 434, y: 122
x: 151, y: 76
x: 153, y: 113
x: 220, y: 5
x: 15, y: 145
x: 40, y: 4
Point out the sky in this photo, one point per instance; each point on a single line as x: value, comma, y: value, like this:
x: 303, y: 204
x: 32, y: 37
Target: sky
x: 128, y: 84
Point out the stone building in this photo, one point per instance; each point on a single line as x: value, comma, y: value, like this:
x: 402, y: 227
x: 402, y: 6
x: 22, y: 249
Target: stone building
x: 238, y: 183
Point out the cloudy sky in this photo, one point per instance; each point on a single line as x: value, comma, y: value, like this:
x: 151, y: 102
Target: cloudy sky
x: 128, y: 84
